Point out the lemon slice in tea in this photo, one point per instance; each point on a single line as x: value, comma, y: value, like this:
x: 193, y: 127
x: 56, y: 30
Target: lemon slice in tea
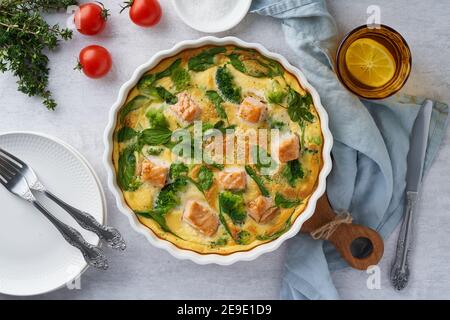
x: 370, y: 62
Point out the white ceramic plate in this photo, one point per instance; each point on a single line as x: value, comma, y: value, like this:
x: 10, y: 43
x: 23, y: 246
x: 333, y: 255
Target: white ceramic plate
x: 217, y: 21
x: 34, y: 257
x: 164, y: 244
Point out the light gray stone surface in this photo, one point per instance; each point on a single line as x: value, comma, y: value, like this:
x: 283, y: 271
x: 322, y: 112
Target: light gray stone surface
x: 147, y: 272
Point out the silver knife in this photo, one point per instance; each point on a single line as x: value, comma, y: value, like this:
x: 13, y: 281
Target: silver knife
x: 416, y: 158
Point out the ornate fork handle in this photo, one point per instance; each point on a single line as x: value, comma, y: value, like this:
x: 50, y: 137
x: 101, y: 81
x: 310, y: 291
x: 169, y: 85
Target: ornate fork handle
x: 111, y: 235
x: 93, y: 255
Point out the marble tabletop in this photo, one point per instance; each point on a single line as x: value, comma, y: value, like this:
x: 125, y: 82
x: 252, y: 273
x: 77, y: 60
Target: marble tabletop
x: 145, y: 272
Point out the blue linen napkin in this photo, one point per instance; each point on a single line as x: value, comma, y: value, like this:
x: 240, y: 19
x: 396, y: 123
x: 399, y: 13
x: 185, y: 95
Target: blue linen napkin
x: 371, y: 143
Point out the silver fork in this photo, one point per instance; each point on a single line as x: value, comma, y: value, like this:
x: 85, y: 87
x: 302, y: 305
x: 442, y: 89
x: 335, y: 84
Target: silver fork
x: 111, y: 235
x: 14, y: 182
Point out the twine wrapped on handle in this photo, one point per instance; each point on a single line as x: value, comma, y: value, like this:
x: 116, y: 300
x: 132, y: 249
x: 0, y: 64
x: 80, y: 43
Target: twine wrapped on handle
x: 325, y: 231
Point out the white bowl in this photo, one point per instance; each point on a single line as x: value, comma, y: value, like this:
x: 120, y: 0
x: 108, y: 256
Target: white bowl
x: 225, y: 22
x: 168, y: 246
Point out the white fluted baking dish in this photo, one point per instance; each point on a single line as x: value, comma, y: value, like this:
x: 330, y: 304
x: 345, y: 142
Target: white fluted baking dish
x: 168, y: 246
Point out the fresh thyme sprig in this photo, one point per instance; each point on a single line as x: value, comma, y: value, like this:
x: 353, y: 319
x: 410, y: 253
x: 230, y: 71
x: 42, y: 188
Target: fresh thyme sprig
x: 24, y: 37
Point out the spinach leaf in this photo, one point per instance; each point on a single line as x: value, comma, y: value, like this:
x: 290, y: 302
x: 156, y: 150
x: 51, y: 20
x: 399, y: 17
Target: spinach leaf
x: 227, y: 87
x: 298, y: 106
x: 156, y: 118
x: 134, y: 104
x: 282, y: 202
x: 224, y: 222
x: 146, y: 83
x: 126, y: 175
x: 233, y: 205
x: 168, y: 72
x: 157, y: 217
x: 292, y: 172
x: 166, y: 95
x: 275, y: 235
x: 243, y: 237
x: 256, y: 67
x: 274, y: 67
x: 205, y: 178
x: 155, y: 136
x: 217, y: 101
x: 258, y: 180
x: 168, y: 198
x: 125, y: 134
x: 181, y: 79
x: 237, y: 63
x: 205, y: 59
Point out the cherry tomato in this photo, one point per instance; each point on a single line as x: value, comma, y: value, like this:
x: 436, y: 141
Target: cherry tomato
x: 95, y: 61
x: 144, y: 13
x: 91, y: 18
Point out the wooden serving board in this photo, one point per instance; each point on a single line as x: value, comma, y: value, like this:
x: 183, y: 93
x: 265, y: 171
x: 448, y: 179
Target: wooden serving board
x: 360, y: 246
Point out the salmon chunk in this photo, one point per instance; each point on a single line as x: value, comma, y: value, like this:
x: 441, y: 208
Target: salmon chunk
x: 235, y: 180
x: 154, y: 174
x: 252, y: 110
x: 186, y: 109
x: 289, y: 149
x: 262, y: 209
x: 201, y: 218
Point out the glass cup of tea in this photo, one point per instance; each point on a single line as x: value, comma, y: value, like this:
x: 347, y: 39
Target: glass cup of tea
x: 373, y: 62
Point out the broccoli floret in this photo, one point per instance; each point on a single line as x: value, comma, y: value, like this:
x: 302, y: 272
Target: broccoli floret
x: 277, y: 93
x: 243, y: 237
x: 227, y: 87
x: 156, y: 118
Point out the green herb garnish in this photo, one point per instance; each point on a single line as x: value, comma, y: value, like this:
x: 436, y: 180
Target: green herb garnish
x: 25, y: 38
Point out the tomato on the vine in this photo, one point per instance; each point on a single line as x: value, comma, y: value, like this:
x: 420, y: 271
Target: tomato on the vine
x: 144, y: 13
x: 95, y: 61
x: 90, y: 18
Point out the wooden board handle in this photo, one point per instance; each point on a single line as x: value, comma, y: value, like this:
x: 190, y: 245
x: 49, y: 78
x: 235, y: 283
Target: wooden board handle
x: 360, y: 246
